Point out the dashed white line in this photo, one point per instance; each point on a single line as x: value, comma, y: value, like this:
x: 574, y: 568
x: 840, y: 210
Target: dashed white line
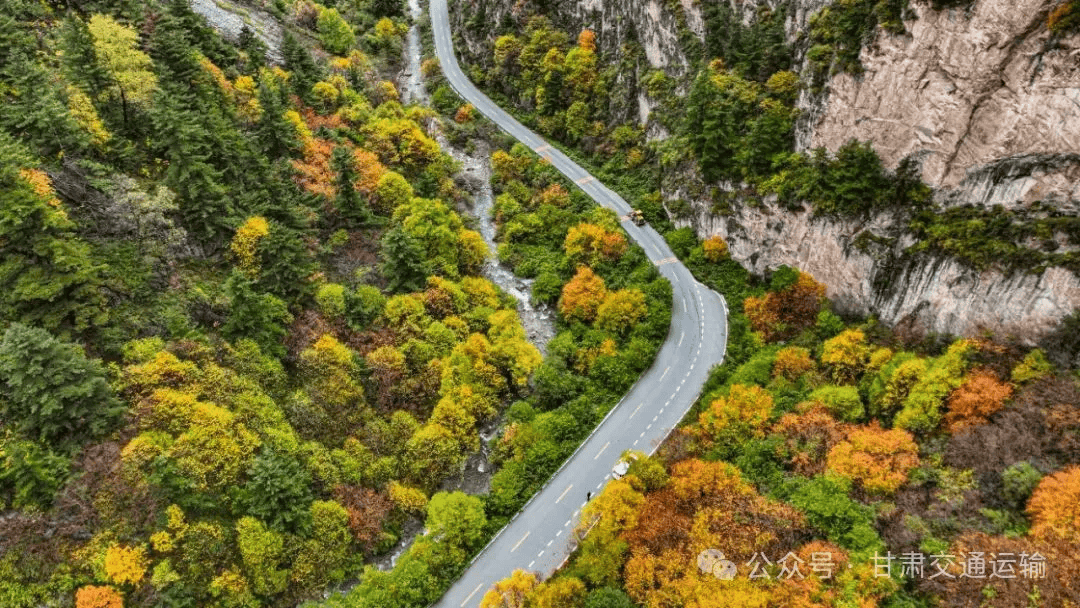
x: 561, y: 496
x: 636, y: 409
x: 665, y: 372
x: 558, y: 534
x: 601, y: 450
x: 539, y: 555
x: 655, y: 417
x: 681, y: 336
x: 550, y: 541
x: 520, y: 541
x: 529, y: 566
x: 641, y: 435
x: 648, y: 427
x: 475, y: 590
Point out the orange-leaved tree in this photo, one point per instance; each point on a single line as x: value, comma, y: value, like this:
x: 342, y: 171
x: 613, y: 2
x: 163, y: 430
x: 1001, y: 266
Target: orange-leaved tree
x: 582, y: 295
x: 878, y: 459
x: 93, y: 596
x: 978, y: 397
x: 1054, y: 506
x: 782, y: 314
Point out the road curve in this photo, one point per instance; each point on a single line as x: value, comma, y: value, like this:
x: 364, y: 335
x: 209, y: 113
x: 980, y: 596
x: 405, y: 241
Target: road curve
x: 538, y: 538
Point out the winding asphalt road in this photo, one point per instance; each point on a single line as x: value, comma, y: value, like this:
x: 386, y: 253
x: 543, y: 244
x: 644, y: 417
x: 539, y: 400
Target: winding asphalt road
x: 538, y: 539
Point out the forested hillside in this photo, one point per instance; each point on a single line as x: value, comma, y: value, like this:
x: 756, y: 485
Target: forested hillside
x: 246, y: 337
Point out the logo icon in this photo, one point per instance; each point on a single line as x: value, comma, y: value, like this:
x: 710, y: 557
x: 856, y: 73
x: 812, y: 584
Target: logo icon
x: 712, y: 561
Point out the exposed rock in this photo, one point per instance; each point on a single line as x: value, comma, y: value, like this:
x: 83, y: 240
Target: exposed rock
x: 924, y: 294
x: 229, y: 19
x: 965, y: 88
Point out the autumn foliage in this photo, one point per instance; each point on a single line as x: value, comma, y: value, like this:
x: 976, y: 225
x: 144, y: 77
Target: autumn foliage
x: 743, y: 412
x: 716, y: 248
x: 92, y: 596
x: 705, y: 505
x: 808, y: 438
x: 582, y: 295
x: 781, y: 315
x: 792, y: 362
x: 978, y: 397
x: 1054, y: 506
x: 878, y: 459
x: 590, y: 244
x: 124, y: 565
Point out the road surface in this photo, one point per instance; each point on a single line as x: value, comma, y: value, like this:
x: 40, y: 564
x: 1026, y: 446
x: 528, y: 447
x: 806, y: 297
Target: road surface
x: 538, y: 538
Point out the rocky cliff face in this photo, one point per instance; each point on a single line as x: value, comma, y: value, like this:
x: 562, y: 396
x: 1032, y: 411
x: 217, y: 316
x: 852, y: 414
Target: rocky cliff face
x: 983, y: 96
x: 872, y: 275
x: 964, y: 89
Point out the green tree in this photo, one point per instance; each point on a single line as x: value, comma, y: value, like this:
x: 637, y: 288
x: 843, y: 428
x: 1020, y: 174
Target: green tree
x: 404, y: 263
x: 80, y: 57
x: 434, y: 454
x: 457, y: 519
x: 260, y: 317
x: 335, y: 33
x: 349, y: 203
x: 262, y: 551
x: 278, y: 492
x: 47, y: 275
x: 50, y: 391
x: 30, y: 474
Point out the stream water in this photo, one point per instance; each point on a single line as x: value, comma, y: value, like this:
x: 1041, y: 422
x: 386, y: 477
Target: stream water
x: 538, y: 321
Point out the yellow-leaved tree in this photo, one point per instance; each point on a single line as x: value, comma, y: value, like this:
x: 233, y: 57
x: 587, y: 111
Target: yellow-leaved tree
x: 129, y: 69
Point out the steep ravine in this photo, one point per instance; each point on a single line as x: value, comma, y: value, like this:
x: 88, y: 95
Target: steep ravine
x: 984, y: 96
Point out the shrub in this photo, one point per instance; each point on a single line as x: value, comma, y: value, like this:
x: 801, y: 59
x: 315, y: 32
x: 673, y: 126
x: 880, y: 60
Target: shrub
x: 1019, y: 480
x: 1033, y: 367
x: 828, y: 507
x: 331, y: 300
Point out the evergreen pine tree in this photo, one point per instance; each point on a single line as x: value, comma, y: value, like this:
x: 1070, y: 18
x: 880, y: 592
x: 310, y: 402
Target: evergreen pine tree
x: 50, y: 391
x: 349, y: 203
x: 298, y: 61
x: 47, y: 275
